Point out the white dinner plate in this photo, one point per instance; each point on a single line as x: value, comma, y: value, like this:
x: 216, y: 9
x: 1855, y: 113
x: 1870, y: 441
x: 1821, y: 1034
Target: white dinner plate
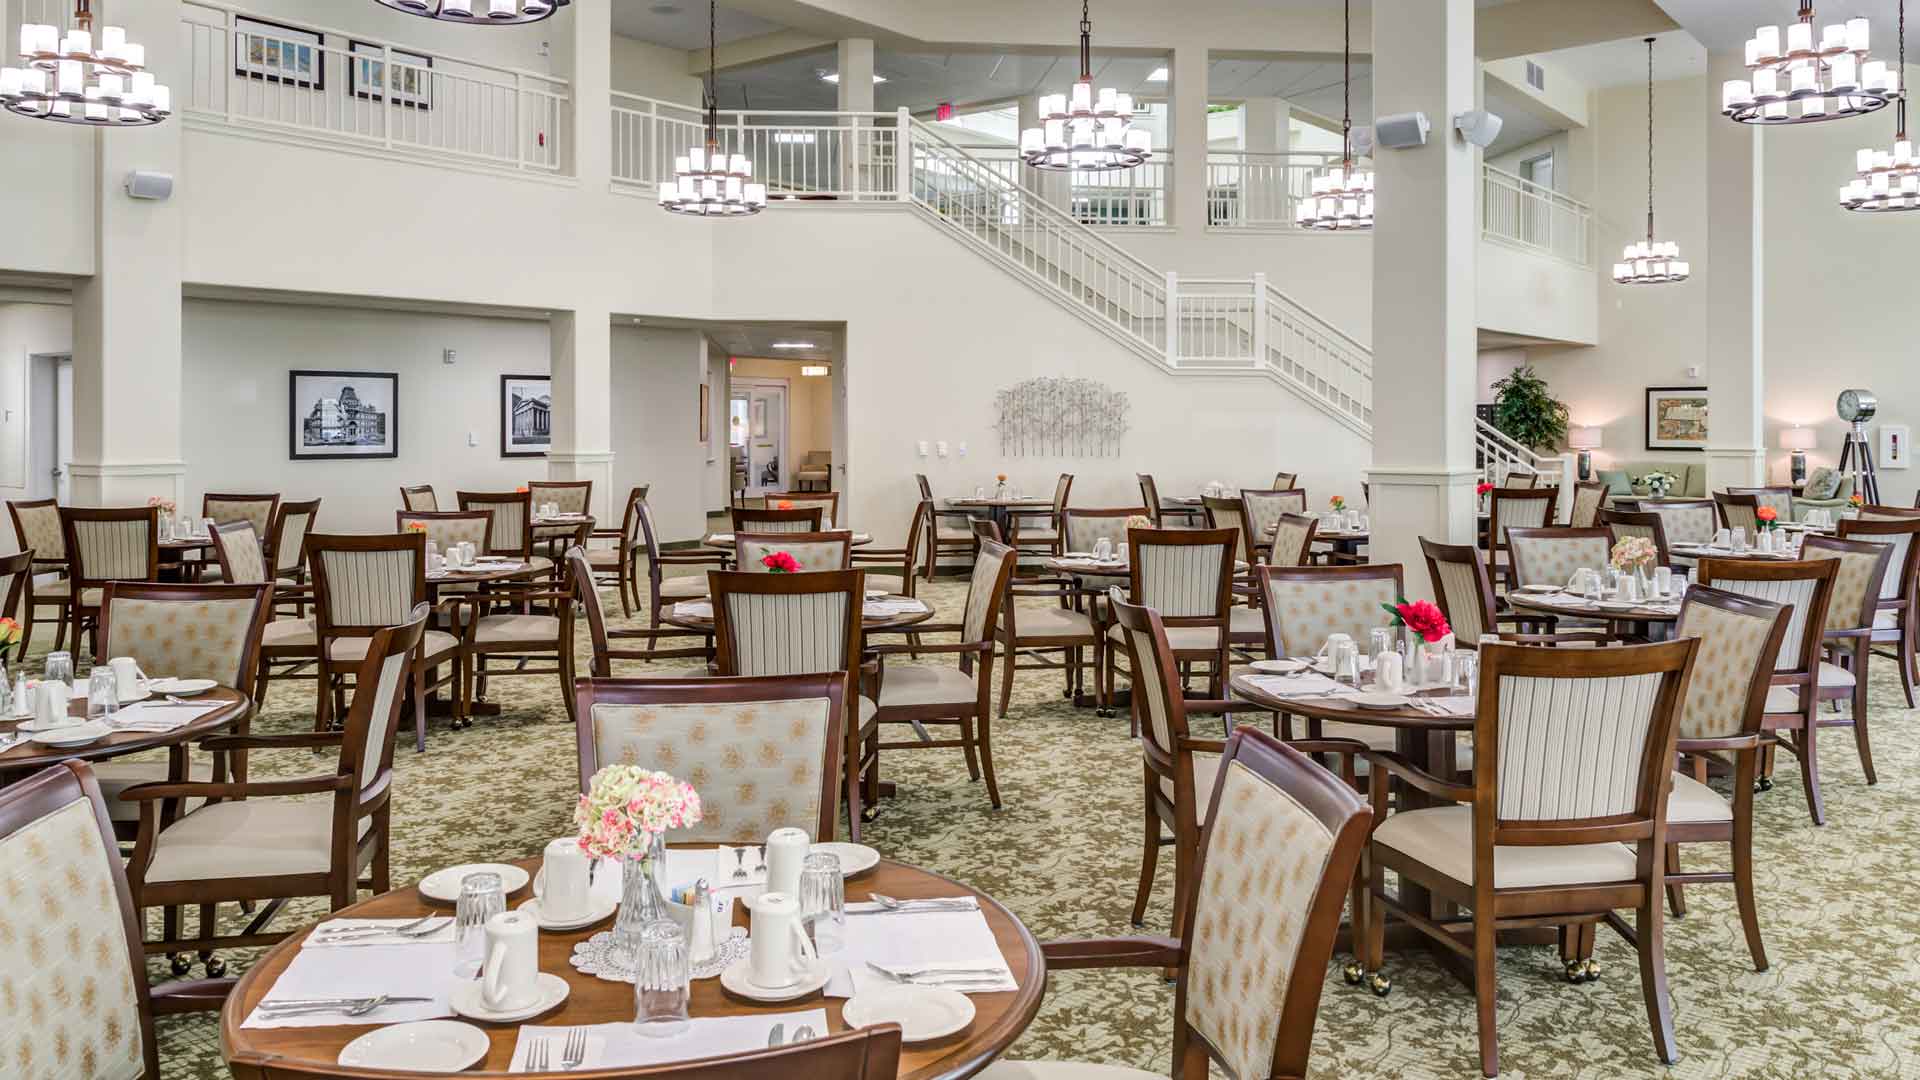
x: 421, y: 1046
x: 1540, y: 588
x: 854, y: 858
x: 1280, y: 667
x: 73, y: 734
x: 1371, y: 699
x: 924, y: 1013
x: 549, y: 991
x: 444, y: 885
x: 738, y: 980
x: 1617, y: 605
x: 182, y: 687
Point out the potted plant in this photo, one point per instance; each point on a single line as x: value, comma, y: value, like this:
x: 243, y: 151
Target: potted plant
x: 1525, y: 410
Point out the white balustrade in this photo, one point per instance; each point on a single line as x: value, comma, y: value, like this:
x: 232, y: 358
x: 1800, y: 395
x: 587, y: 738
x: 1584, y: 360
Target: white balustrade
x: 1259, y: 191
x: 797, y: 155
x: 1525, y: 214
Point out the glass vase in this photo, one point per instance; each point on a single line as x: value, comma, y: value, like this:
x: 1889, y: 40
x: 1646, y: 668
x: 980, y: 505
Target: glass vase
x: 640, y: 895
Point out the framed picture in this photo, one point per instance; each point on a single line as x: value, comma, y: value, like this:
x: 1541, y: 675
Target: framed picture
x: 706, y: 425
x: 343, y: 414
x: 410, y: 82
x: 279, y: 54
x: 1896, y: 441
x: 1677, y: 417
x: 526, y: 415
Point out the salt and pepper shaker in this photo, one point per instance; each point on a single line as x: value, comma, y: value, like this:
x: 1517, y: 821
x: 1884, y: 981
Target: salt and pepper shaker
x: 701, y: 935
x: 22, y: 697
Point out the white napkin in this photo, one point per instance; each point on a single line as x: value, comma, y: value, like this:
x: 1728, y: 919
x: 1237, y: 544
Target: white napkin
x: 338, y: 928
x: 721, y: 538
x: 875, y: 608
x: 694, y: 609
x: 142, y: 716
x: 401, y: 970
x: 617, y: 1046
x: 1303, y: 685
x: 1452, y: 706
x: 917, y: 939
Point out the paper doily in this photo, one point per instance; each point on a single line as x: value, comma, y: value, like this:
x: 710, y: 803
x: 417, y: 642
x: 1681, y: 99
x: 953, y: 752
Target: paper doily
x: 598, y: 957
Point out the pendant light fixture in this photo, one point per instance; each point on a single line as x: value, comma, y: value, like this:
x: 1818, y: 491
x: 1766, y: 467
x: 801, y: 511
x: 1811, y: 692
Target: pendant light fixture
x: 1650, y: 261
x: 1086, y: 131
x: 1888, y: 181
x: 1342, y: 196
x: 478, y: 12
x: 708, y: 181
x: 74, y: 80
x: 1798, y: 79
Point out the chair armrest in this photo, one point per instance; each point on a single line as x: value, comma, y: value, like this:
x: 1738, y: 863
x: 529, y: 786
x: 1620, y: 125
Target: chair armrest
x: 307, y: 739
x: 949, y: 647
x: 1384, y: 763
x: 198, y: 995
x: 1215, y: 706
x: 1153, y: 952
x: 644, y: 632
x: 203, y: 789
x: 1728, y: 742
x: 1204, y: 746
x: 918, y: 628
x: 605, y: 534
x: 692, y: 558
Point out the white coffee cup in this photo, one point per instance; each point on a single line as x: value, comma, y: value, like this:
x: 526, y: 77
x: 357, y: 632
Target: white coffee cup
x: 786, y: 850
x: 510, y: 978
x: 1663, y: 580
x: 563, y: 885
x: 779, y: 951
x: 127, y: 677
x: 1387, y: 671
x: 466, y: 552
x: 50, y: 705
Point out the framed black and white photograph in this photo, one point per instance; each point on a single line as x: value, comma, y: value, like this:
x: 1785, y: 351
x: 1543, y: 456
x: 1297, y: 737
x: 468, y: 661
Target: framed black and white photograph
x: 1677, y: 417
x: 410, y: 82
x: 343, y: 414
x: 526, y: 415
x: 279, y: 54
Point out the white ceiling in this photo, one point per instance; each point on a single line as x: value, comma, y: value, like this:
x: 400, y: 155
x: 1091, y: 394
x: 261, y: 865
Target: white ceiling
x: 1676, y: 55
x: 1727, y: 24
x: 682, y: 24
x: 1519, y: 123
x: 754, y: 338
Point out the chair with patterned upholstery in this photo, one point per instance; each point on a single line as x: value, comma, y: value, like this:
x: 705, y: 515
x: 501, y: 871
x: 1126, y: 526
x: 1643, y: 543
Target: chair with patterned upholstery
x: 795, y: 624
x: 948, y: 532
x: 622, y: 560
x: 609, y: 643
x: 1285, y: 480
x: 251, y: 841
x: 937, y: 694
x: 1780, y: 498
x: 1186, y: 577
x: 572, y: 497
x: 1738, y: 511
x: 1508, y: 508
x: 1260, y: 918
x: 111, y: 544
x: 827, y: 501
x: 1685, y: 521
x: 1588, y: 498
x: 517, y: 622
x: 256, y: 510
x: 16, y: 592
x: 1564, y: 821
x: 1305, y: 605
x: 1292, y: 540
x: 75, y: 964
x: 1549, y: 556
x: 1800, y: 677
x: 812, y: 550
x: 1865, y: 567
x: 241, y: 556
x: 1264, y: 509
x: 1644, y: 524
x: 36, y: 523
x: 419, y: 497
x: 363, y: 584
x: 1894, y: 619
x: 446, y: 529
x: 1038, y: 531
x: 763, y: 751
x: 800, y: 519
x: 197, y: 631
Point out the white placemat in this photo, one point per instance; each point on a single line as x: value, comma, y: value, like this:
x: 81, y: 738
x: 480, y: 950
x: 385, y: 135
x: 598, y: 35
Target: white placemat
x: 917, y: 938
x: 617, y: 1046
x: 402, y: 970
x: 1306, y: 684
x: 148, y: 717
x: 694, y: 609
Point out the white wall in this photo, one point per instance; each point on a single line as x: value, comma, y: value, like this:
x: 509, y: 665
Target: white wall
x: 49, y: 202
x: 25, y: 329
x: 236, y: 360
x: 653, y: 71
x: 656, y: 433
x: 1496, y: 364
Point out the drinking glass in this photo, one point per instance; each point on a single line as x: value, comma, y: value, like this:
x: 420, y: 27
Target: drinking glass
x: 823, y: 901
x: 1346, y: 663
x: 661, y: 980
x: 979, y: 491
x: 60, y: 667
x: 1120, y: 553
x: 1466, y: 672
x: 102, y: 699
x: 1102, y: 549
x: 481, y: 898
x: 1381, y: 639
x: 1739, y: 538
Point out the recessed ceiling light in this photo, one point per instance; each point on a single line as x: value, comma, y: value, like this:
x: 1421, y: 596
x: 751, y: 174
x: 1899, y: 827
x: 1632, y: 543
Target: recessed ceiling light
x: 834, y: 78
x: 794, y: 345
x: 1159, y: 75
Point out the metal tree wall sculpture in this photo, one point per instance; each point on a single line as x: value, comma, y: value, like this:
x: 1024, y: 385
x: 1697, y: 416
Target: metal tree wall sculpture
x: 1059, y: 417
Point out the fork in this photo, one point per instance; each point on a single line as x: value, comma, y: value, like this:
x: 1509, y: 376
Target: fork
x: 537, y: 1055
x: 415, y: 929
x: 937, y: 972
x: 575, y: 1051
x: 740, y: 863
x: 761, y: 855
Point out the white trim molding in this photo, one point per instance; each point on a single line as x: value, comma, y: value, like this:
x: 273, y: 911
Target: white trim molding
x: 594, y: 465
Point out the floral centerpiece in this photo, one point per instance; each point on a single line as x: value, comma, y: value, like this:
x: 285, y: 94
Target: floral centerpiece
x: 1768, y: 517
x: 162, y: 503
x: 624, y: 816
x: 781, y: 562
x: 1634, y: 553
x: 783, y: 504
x: 1658, y: 483
x: 521, y: 490
x: 1139, y: 521
x: 1338, y: 502
x: 1421, y: 617
x: 416, y: 526
x: 1856, y: 500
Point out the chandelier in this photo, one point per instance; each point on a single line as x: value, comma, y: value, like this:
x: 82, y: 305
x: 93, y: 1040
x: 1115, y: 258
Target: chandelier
x: 1807, y: 80
x: 708, y: 181
x: 1888, y: 181
x: 1084, y: 130
x: 478, y: 12
x: 1650, y: 261
x: 1342, y: 196
x: 74, y: 80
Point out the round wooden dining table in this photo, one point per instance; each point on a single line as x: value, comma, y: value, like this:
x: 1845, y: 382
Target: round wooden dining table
x: 868, y: 622
x: 998, y: 1018
x: 1568, y: 606
x: 486, y: 571
x: 27, y: 755
x: 724, y: 540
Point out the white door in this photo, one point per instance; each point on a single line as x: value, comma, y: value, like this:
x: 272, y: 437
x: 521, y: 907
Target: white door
x: 63, y: 432
x: 758, y: 415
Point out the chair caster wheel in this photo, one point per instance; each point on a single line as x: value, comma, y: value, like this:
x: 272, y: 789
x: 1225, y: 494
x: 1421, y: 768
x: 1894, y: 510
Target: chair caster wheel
x: 1353, y: 973
x: 216, y: 967
x: 1765, y: 784
x: 1573, y: 971
x: 181, y: 965
x: 1379, y: 984
x: 1590, y: 970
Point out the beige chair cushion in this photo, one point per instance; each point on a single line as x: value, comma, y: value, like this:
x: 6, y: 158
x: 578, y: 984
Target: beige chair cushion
x: 288, y: 634
x: 52, y: 590
x: 940, y: 684
x: 867, y: 709
x: 1063, y: 1070
x: 605, y: 558
x: 1835, y: 677
x: 529, y: 629
x: 683, y: 588
x: 436, y: 643
x: 91, y: 597
x: 253, y: 838
x: 946, y: 532
x: 1179, y: 638
x: 117, y: 776
x: 1247, y: 622
x: 1786, y: 699
x: 1205, y: 768
x: 1692, y: 800
x: 1442, y: 838
x: 1053, y: 624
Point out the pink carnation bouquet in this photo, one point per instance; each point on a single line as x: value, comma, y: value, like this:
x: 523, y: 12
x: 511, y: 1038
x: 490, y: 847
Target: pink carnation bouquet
x: 626, y: 807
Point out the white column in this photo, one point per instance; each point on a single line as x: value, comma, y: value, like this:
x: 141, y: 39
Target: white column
x: 1265, y: 122
x: 581, y: 342
x: 592, y: 90
x: 126, y: 317
x: 855, y: 59
x: 1187, y: 130
x: 1424, y: 251
x: 1734, y: 268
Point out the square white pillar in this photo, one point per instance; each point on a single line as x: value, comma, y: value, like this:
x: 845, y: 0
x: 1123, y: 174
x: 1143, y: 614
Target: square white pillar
x: 1187, y: 131
x: 1735, y: 273
x: 592, y: 89
x: 581, y: 343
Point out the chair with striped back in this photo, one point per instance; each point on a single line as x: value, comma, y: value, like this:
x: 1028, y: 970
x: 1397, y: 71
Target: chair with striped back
x: 1894, y: 620
x: 256, y: 510
x: 1265, y: 508
x: 795, y: 726
x: 1588, y: 498
x: 518, y: 623
x: 1247, y: 630
x: 1779, y: 498
x: 1462, y: 590
x: 1792, y: 706
x: 1512, y: 507
x: 664, y: 591
x: 1864, y: 569
x: 622, y: 560
x: 419, y: 497
x: 512, y: 534
x: 107, y: 544
x: 797, y: 520
x: 287, y: 544
x: 611, y: 643
x: 1186, y: 576
x: 36, y: 523
x: 1285, y: 480
x: 948, y: 532
x: 1644, y: 524
x: 1573, y: 754
x: 795, y: 624
x: 827, y: 501
x: 362, y: 585
x: 447, y: 529
x: 813, y: 551
x: 1738, y: 511
x: 1230, y: 513
x: 1160, y: 511
x: 1306, y: 605
x: 1292, y: 540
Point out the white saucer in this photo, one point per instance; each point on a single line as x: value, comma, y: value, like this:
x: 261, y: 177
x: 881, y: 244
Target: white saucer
x: 1280, y: 667
x: 602, y: 907
x: 181, y: 687
x: 444, y: 885
x: 1540, y: 588
x: 1372, y: 699
x: 736, y: 981
x: 924, y: 1013
x: 73, y: 734
x: 466, y: 1000
x: 139, y: 695
x: 1617, y: 605
x: 854, y: 858
x: 421, y: 1046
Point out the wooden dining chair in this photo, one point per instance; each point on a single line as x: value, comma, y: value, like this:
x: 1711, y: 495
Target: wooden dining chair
x: 664, y: 591
x: 622, y: 560
x: 1564, y: 821
x: 1588, y: 499
x: 36, y: 524
x: 1306, y: 605
x: 16, y: 591
x: 1186, y: 576
x: 612, y: 643
x: 1512, y: 507
x: 1780, y: 497
x: 512, y: 533
x: 799, y: 519
x: 1549, y: 556
x: 959, y: 695
x: 446, y: 529
x: 256, y: 510
x: 1792, y: 705
x: 1283, y: 480
x: 1738, y: 511
x: 82, y: 949
x: 901, y: 562
x: 948, y: 532
x: 287, y: 543
x: 764, y: 751
x: 1265, y: 508
x: 1894, y: 620
x: 1848, y: 634
x: 106, y: 544
x: 1292, y: 540
x: 419, y: 497
x: 572, y: 497
x: 1038, y: 531
x: 1685, y: 521
x: 1644, y: 524
x: 1463, y: 591
x: 1159, y: 511
x: 1246, y: 629
x: 1258, y: 922
x: 253, y: 841
x: 796, y: 624
x: 812, y: 550
x: 517, y: 623
x: 828, y: 503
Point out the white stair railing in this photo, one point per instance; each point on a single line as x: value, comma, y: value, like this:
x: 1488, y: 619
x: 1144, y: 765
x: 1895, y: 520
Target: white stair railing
x: 1502, y: 457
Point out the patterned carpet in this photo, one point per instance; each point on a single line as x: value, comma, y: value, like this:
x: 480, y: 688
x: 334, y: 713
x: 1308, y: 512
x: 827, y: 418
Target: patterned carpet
x: 1842, y: 998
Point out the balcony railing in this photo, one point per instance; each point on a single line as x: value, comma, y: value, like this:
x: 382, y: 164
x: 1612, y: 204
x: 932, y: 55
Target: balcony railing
x: 332, y: 85
x: 1259, y: 191
x: 1522, y: 213
x: 797, y: 155
x: 1124, y: 197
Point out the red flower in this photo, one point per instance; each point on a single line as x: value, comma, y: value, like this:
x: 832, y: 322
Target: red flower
x: 1766, y: 513
x: 1424, y: 619
x: 1483, y: 488
x: 780, y: 562
x: 783, y: 504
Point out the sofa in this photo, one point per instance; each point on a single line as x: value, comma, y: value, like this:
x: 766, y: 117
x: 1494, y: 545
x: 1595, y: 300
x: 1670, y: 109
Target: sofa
x: 816, y: 471
x: 1842, y: 492
x: 1620, y: 476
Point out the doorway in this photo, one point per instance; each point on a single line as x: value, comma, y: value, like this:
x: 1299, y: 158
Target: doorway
x: 757, y: 435
x: 50, y: 427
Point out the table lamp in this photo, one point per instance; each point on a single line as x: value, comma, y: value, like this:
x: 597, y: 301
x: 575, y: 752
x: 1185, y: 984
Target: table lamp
x: 1586, y: 440
x: 1799, y: 440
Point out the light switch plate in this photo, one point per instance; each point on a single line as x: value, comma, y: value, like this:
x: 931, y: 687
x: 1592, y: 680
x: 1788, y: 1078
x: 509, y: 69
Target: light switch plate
x: 473, y: 439
x: 963, y: 449
x: 924, y: 449
x: 941, y: 448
